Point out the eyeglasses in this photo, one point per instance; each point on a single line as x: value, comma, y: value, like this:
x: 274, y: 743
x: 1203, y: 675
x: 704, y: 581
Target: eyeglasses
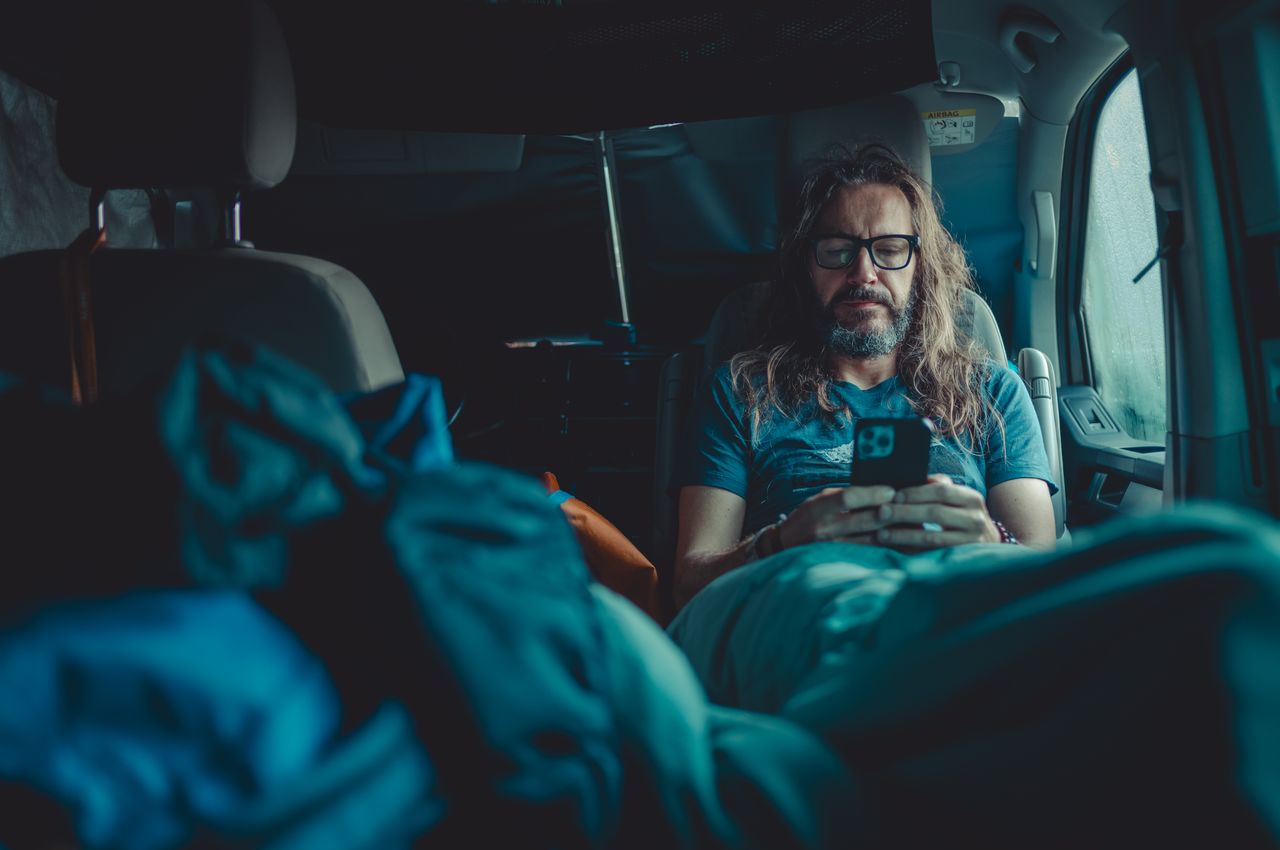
x: 889, y: 252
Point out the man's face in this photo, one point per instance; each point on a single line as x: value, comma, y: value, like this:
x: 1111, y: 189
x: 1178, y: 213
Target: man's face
x: 862, y: 310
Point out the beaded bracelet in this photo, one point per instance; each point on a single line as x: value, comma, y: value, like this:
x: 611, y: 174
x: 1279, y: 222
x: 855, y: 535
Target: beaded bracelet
x: 1005, y: 535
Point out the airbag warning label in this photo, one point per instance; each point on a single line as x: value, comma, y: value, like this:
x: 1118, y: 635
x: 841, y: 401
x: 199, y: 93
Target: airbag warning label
x: 950, y: 126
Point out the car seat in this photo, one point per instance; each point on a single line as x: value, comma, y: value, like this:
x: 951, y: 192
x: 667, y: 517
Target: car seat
x: 734, y: 325
x: 197, y: 97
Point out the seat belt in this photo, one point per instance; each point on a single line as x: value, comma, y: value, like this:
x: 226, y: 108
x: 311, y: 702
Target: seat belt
x: 77, y: 304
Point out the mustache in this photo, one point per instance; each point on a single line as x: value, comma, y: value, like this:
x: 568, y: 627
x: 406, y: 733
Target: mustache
x: 862, y: 293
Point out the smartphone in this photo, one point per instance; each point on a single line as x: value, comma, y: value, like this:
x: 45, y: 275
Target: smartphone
x: 891, y: 451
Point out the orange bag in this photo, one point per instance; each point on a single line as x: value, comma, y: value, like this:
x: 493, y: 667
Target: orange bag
x: 612, y: 558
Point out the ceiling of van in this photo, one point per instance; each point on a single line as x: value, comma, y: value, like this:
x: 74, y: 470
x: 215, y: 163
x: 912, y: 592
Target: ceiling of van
x: 573, y: 67
x: 545, y: 67
x: 969, y: 33
x: 563, y: 66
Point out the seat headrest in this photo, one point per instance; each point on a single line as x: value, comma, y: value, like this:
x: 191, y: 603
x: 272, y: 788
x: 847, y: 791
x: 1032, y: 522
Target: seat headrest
x: 889, y: 119
x: 179, y: 94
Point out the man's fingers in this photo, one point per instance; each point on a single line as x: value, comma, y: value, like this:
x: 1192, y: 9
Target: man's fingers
x: 836, y: 513
x: 946, y: 493
x: 868, y: 539
x: 854, y: 498
x: 845, y: 523
x: 947, y: 516
x: 919, y: 538
x: 837, y: 499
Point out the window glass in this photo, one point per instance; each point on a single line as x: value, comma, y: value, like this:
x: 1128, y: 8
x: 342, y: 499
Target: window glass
x: 40, y: 208
x: 1124, y: 320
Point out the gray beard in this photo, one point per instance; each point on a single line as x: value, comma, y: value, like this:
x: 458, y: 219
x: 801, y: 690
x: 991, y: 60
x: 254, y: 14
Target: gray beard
x: 866, y: 344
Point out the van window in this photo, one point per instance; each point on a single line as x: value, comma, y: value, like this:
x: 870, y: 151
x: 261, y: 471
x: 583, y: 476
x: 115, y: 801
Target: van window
x: 32, y: 180
x: 1124, y: 320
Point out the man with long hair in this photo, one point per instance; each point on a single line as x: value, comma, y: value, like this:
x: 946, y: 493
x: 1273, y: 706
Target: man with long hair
x: 861, y: 323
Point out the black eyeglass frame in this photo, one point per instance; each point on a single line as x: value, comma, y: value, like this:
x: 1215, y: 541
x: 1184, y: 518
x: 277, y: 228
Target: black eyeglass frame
x: 913, y: 244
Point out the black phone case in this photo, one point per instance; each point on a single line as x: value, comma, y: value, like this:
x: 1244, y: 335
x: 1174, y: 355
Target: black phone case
x: 891, y: 451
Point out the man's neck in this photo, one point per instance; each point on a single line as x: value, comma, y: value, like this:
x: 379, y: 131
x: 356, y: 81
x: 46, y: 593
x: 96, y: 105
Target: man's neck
x: 864, y: 373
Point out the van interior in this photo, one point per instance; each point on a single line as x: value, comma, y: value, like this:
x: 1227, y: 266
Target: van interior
x: 566, y: 214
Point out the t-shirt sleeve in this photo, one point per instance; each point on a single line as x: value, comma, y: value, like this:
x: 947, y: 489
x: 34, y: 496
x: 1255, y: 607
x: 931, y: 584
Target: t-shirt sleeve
x: 1021, y: 453
x: 717, y: 449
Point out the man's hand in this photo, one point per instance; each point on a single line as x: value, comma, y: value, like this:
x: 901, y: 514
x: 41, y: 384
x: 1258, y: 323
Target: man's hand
x: 958, y: 513
x: 850, y: 514
x: 710, y: 542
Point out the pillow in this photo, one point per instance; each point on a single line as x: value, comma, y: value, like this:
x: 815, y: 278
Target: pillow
x: 614, y: 560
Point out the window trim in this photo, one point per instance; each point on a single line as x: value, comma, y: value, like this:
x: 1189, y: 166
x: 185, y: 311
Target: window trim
x: 1081, y: 136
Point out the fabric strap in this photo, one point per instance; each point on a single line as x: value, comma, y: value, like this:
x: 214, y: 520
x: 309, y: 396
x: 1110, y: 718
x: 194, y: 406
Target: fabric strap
x: 77, y: 303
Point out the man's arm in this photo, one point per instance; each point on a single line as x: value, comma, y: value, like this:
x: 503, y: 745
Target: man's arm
x: 709, y: 543
x: 1024, y: 506
x: 1018, y: 463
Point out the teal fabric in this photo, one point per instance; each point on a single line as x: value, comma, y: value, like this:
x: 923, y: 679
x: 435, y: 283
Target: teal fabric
x: 212, y: 477
x: 756, y: 634
x: 128, y: 706
x: 719, y: 777
x: 404, y: 425
x: 784, y: 787
x: 500, y: 657
x: 261, y: 449
x: 476, y: 687
x: 781, y: 463
x: 1119, y: 693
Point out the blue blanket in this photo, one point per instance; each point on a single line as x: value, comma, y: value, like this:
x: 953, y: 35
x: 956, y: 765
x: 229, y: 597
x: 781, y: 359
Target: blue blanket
x: 1119, y: 693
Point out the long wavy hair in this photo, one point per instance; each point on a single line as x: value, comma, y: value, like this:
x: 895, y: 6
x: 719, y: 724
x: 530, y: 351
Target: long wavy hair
x: 943, y: 369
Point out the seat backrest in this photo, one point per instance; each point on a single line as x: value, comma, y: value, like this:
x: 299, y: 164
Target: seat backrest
x: 220, y: 115
x: 150, y: 304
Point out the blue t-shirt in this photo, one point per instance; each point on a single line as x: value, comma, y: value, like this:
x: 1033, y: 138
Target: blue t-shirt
x: 791, y: 459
